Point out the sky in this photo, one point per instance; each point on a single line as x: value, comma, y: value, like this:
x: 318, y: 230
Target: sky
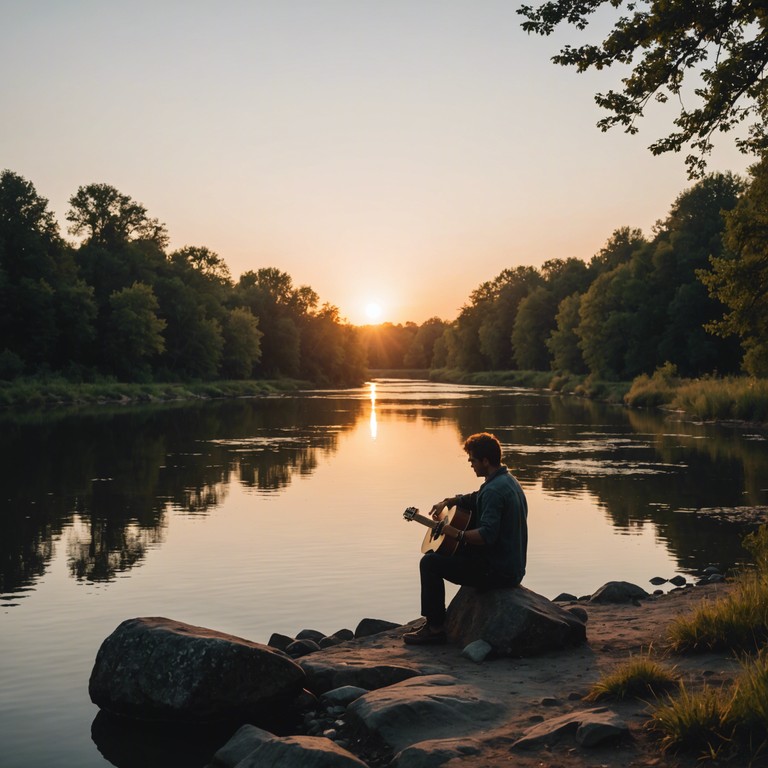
x: 396, y: 153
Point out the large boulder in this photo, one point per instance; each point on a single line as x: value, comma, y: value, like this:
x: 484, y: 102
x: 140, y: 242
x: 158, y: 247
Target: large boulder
x: 164, y: 670
x: 513, y: 621
x: 423, y: 708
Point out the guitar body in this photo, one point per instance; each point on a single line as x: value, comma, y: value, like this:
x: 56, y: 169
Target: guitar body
x: 434, y: 539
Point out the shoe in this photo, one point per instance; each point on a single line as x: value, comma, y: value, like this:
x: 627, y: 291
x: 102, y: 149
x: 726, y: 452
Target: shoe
x: 424, y: 636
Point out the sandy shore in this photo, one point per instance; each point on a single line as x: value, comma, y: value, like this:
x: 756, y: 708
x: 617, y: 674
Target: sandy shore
x: 543, y: 687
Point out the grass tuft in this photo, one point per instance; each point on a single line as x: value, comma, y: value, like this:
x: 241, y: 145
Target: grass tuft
x: 737, y: 622
x: 637, y: 678
x: 692, y: 722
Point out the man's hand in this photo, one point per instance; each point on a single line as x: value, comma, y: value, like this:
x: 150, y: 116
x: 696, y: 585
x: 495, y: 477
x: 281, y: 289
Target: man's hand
x: 438, y: 508
x: 450, y: 531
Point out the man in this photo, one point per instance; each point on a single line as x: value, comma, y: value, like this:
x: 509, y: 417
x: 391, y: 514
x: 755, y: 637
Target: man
x: 491, y: 551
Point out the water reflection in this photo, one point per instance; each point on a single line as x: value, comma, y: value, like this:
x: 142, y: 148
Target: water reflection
x: 374, y: 422
x: 104, y: 480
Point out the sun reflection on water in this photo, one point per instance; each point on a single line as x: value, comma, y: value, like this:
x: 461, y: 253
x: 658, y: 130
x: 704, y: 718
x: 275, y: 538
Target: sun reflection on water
x: 374, y: 423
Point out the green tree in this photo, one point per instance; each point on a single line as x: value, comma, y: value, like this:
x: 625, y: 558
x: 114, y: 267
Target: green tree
x: 739, y: 277
x: 563, y: 277
x: 612, y: 319
x: 331, y: 350
x: 563, y: 341
x: 135, y: 331
x: 193, y: 339
x: 46, y: 311
x: 618, y: 249
x: 533, y: 324
x: 443, y: 353
x: 685, y: 240
x: 721, y: 44
x: 421, y: 351
x: 103, y: 216
x: 242, y: 343
x: 387, y: 344
x: 271, y: 296
x: 499, y: 301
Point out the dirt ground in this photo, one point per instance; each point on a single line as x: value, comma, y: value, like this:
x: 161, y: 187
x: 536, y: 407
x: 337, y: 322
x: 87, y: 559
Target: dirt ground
x: 542, y: 687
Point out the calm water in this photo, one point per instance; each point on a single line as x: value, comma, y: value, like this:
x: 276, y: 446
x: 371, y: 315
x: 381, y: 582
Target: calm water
x: 272, y: 515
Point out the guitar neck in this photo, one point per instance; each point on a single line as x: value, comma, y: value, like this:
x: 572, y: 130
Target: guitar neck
x: 428, y: 521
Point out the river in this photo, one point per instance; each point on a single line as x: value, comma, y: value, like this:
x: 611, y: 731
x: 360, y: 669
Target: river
x: 276, y: 514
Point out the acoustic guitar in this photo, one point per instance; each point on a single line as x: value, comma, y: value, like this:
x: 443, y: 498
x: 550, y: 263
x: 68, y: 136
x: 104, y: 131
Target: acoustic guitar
x: 435, y: 540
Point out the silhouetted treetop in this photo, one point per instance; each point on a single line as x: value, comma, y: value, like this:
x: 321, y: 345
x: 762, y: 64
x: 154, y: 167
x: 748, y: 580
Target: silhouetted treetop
x: 721, y: 45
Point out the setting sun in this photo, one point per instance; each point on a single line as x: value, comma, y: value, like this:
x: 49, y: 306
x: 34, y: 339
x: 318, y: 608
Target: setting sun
x: 373, y: 312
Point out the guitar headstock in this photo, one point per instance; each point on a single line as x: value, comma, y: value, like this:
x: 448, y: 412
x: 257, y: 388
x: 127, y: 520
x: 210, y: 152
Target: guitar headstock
x: 410, y: 513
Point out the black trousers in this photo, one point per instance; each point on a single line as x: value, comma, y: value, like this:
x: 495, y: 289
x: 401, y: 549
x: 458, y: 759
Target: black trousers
x: 435, y: 569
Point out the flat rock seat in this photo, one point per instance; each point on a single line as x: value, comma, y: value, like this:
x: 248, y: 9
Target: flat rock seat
x: 514, y: 621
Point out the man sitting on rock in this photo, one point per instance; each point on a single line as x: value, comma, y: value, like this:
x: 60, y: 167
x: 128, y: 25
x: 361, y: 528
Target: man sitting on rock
x: 491, y: 551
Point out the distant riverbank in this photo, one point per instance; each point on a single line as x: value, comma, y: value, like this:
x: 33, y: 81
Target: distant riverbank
x: 38, y: 392
x: 733, y: 398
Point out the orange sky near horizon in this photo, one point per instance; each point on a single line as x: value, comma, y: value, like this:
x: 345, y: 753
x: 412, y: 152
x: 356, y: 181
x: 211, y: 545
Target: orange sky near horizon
x: 393, y: 153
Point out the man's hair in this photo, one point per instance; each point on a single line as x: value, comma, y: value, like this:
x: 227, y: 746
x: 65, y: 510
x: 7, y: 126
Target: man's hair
x: 484, y: 445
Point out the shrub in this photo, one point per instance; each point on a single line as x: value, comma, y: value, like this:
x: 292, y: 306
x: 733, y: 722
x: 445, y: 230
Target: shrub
x: 653, y: 391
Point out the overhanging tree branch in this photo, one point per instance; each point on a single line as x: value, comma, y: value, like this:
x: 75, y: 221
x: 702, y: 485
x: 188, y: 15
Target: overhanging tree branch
x: 663, y: 41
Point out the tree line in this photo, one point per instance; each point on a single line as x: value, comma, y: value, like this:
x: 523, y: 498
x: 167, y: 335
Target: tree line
x: 694, y: 295
x: 119, y: 304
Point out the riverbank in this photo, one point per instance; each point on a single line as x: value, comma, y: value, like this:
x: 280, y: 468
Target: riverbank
x: 733, y: 398
x: 538, y: 690
x: 533, y: 704
x: 39, y: 392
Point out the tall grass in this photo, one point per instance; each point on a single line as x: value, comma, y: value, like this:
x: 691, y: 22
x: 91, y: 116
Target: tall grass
x: 729, y: 398
x: 693, y: 722
x: 731, y: 722
x: 745, y: 399
x: 737, y: 622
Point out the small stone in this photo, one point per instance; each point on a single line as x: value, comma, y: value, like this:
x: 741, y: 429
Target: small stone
x: 678, y: 581
x: 618, y: 592
x: 343, y: 696
x: 656, y: 580
x: 369, y: 627
x: 477, y: 651
x: 299, y: 648
x: 281, y: 642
